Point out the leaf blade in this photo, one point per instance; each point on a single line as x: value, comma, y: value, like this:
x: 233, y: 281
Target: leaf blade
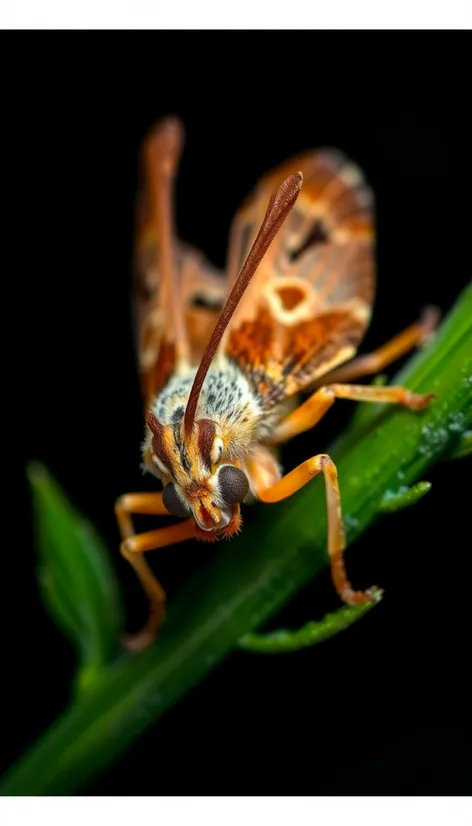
x: 77, y: 581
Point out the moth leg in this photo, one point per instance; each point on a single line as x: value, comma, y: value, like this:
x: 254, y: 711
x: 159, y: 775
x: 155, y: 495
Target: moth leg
x: 132, y: 547
x: 314, y: 408
x: 371, y: 363
x: 295, y: 480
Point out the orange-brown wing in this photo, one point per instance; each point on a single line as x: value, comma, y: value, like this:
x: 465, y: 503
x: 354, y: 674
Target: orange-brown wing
x: 307, y: 308
x: 199, y: 286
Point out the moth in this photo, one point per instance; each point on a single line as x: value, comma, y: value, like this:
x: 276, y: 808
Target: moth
x: 225, y: 359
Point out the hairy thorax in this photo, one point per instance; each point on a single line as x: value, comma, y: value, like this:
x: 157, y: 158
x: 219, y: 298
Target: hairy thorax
x: 242, y: 427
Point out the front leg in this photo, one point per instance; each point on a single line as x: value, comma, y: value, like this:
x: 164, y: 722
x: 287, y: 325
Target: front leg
x: 295, y: 480
x: 132, y: 547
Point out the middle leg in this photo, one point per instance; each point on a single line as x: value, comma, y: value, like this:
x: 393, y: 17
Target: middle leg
x: 314, y: 408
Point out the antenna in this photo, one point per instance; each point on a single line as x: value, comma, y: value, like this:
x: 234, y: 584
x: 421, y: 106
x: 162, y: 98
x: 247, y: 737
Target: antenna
x: 279, y: 206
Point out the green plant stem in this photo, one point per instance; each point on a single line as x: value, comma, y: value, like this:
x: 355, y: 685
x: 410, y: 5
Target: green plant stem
x: 251, y: 578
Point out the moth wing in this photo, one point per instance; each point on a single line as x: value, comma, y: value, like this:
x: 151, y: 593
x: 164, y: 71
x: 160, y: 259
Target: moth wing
x: 310, y: 302
x: 201, y: 290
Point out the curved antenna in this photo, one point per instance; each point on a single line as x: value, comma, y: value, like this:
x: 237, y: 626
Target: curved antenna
x: 279, y: 206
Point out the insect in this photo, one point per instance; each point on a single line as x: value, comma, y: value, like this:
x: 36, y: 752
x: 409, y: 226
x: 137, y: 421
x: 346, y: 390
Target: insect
x: 223, y: 360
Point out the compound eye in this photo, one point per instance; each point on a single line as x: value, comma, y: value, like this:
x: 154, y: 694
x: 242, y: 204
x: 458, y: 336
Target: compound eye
x: 173, y: 502
x: 233, y: 484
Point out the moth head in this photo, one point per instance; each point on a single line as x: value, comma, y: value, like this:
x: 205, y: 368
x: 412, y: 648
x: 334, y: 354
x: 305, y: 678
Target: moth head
x: 199, y: 479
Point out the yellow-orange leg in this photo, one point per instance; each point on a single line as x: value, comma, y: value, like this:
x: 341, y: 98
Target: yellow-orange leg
x: 314, y: 408
x: 132, y: 547
x: 371, y: 363
x: 295, y: 480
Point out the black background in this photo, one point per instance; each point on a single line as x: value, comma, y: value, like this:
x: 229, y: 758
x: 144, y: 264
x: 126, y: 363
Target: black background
x: 384, y: 707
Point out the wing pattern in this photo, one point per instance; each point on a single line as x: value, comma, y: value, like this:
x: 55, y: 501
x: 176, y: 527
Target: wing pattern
x: 308, y: 306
